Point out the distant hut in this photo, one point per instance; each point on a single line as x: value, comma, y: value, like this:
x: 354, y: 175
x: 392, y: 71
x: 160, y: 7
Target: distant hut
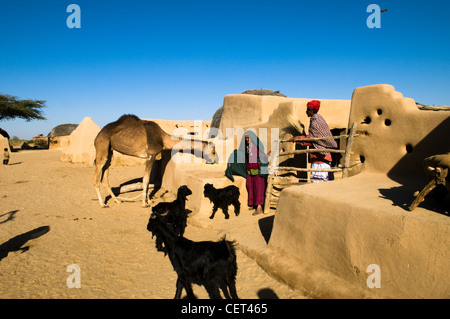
x: 58, y: 138
x: 81, y: 147
x: 40, y: 141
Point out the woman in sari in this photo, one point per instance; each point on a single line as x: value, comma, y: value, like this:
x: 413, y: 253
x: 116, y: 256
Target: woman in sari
x: 251, y: 162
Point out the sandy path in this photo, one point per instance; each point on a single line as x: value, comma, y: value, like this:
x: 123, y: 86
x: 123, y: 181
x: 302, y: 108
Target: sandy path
x: 112, y: 247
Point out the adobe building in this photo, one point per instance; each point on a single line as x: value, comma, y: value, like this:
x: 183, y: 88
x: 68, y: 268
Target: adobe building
x: 327, y: 239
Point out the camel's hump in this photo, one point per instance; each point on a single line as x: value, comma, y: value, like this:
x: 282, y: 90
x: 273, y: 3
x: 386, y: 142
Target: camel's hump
x: 127, y: 117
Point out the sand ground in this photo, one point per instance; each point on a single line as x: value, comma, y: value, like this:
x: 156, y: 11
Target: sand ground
x: 112, y: 247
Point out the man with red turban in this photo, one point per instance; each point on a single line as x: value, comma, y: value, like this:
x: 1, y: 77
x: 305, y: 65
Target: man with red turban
x: 318, y: 127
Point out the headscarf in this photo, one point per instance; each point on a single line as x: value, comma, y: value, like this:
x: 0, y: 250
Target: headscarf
x: 236, y: 161
x: 314, y: 105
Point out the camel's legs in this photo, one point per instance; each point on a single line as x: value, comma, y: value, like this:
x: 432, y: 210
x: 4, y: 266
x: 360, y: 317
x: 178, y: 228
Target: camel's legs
x: 105, y: 183
x: 146, y: 179
x: 98, y: 176
x: 102, y: 164
x: 97, y: 189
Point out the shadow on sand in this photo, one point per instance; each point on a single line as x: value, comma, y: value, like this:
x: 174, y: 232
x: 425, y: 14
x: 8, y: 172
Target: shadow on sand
x: 265, y: 226
x: 437, y: 201
x: 267, y: 293
x: 8, y: 216
x: 16, y: 243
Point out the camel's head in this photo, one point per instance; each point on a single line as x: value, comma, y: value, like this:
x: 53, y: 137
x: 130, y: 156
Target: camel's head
x: 209, y: 153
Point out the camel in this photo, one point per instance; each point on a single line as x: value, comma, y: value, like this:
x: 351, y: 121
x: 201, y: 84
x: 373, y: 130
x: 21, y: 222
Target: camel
x: 132, y: 136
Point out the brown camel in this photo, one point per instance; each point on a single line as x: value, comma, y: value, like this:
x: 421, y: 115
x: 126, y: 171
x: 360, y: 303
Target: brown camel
x: 132, y: 136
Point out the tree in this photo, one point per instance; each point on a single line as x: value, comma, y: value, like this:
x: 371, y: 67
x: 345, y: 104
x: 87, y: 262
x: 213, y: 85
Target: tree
x: 11, y: 107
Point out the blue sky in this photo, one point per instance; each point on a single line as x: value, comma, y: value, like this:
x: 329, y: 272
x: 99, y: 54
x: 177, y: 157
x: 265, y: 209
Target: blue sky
x: 178, y: 59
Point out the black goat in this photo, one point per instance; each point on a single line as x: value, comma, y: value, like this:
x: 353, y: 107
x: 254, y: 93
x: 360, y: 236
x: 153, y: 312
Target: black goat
x: 174, y: 213
x: 207, y: 263
x: 222, y: 198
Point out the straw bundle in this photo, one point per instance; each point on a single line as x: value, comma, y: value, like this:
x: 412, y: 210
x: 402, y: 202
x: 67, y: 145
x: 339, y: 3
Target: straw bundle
x: 295, y: 122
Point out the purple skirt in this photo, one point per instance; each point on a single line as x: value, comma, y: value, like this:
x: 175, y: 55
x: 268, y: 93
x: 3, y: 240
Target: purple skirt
x: 256, y: 188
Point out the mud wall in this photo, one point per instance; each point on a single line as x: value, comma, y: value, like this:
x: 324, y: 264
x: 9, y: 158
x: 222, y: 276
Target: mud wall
x: 264, y: 113
x: 395, y: 135
x: 81, y: 148
x: 346, y: 225
x: 196, y: 176
x: 4, y: 143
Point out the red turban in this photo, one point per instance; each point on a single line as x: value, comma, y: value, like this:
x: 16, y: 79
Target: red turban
x: 314, y: 104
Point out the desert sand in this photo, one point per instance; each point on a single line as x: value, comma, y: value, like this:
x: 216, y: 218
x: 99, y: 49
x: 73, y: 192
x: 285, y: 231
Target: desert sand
x: 115, y: 252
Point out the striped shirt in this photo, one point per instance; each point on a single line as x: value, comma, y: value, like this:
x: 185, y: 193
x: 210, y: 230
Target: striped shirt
x: 319, y: 128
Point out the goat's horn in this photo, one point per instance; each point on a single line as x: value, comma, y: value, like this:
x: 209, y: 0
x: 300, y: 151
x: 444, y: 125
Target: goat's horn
x: 165, y: 214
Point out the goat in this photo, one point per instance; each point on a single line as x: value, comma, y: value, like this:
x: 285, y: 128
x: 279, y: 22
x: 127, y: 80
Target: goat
x: 207, y: 263
x: 174, y: 213
x: 222, y: 198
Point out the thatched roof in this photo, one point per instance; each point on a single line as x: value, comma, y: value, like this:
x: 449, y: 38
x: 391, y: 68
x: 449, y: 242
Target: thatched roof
x: 62, y: 130
x: 432, y: 108
x: 4, y: 133
x: 264, y: 92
